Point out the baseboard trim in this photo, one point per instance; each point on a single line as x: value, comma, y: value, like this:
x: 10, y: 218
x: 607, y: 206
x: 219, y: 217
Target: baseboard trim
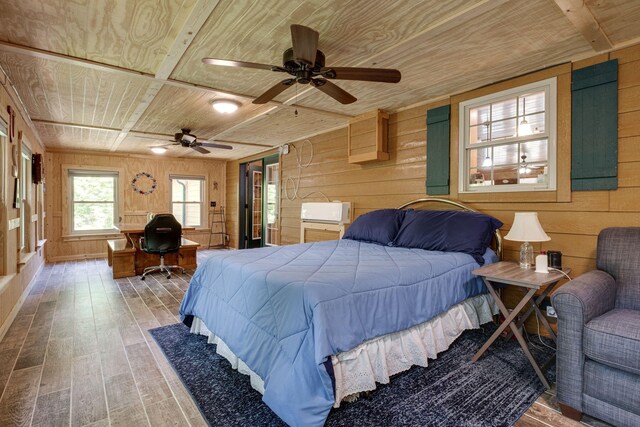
x: 16, y: 308
x: 76, y: 257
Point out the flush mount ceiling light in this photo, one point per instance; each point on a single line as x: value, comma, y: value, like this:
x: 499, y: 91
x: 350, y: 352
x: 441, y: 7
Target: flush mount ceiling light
x: 225, y: 106
x: 159, y: 150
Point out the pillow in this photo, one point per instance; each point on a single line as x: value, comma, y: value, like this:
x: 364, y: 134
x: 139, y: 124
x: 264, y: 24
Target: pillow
x: 449, y: 231
x: 379, y: 226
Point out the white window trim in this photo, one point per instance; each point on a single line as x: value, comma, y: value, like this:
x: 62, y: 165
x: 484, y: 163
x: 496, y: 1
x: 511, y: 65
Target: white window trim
x: 25, y: 196
x: 4, y: 173
x: 67, y: 207
x: 551, y: 99
x: 204, y: 219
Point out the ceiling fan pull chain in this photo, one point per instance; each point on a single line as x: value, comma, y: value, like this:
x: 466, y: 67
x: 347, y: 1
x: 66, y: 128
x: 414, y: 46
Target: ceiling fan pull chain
x: 295, y: 112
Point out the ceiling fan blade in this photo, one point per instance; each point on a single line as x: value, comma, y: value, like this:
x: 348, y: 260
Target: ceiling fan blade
x: 274, y: 91
x: 334, y: 91
x: 305, y: 43
x: 243, y: 64
x: 199, y: 149
x: 214, y: 145
x: 362, y: 74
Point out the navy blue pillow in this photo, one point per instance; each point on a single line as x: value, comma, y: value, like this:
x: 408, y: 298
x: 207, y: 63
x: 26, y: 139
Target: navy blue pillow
x: 449, y: 231
x: 379, y: 226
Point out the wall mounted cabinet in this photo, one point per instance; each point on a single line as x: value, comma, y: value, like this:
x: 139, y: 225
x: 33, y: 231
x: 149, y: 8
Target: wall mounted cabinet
x: 367, y: 137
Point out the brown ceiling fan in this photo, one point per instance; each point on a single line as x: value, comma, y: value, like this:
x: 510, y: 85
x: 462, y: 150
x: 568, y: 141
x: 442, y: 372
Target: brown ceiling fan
x: 186, y: 139
x: 305, y: 63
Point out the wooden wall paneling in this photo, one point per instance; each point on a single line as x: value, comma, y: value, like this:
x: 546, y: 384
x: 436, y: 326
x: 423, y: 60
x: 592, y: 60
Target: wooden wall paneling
x: 16, y: 270
x: 135, y: 206
x: 573, y: 220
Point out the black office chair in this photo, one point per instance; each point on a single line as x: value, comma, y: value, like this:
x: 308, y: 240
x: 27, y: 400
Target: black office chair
x: 162, y: 235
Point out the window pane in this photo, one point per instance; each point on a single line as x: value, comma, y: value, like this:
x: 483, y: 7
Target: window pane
x: 179, y: 212
x: 536, y: 151
x: 192, y: 215
x: 536, y: 122
x: 478, y: 178
x: 503, y: 110
x: 186, y: 190
x: 505, y: 154
x: 479, y: 133
x: 93, y: 216
x: 479, y: 115
x: 505, y: 175
x: 178, y: 190
x: 480, y: 158
x: 532, y: 103
x: 94, y: 188
x: 187, y: 214
x: 503, y: 129
x: 535, y: 173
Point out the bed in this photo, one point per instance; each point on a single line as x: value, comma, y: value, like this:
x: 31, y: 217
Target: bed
x: 315, y: 323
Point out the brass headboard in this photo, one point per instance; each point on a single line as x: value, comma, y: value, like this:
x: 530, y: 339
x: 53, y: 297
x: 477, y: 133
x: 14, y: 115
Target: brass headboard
x: 497, y: 237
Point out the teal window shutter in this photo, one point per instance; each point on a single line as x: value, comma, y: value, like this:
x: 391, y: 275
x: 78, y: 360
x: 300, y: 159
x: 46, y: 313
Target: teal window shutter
x: 438, y: 122
x: 594, y: 127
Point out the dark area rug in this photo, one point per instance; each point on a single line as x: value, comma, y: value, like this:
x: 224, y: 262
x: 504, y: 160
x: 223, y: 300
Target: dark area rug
x: 451, y: 391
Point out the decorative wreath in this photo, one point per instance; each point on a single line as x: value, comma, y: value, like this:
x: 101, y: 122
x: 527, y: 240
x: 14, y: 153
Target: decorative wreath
x: 149, y: 179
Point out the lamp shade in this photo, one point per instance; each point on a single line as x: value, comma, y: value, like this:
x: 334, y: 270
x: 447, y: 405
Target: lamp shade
x: 527, y: 228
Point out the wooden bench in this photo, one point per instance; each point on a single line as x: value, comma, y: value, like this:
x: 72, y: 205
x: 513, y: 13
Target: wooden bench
x: 121, y: 258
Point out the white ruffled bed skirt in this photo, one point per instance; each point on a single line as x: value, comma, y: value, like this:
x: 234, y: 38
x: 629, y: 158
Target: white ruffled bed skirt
x: 376, y: 360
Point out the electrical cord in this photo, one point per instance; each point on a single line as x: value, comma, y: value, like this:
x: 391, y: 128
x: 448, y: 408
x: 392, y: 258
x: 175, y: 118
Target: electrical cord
x: 560, y: 271
x: 295, y: 182
x: 539, y: 337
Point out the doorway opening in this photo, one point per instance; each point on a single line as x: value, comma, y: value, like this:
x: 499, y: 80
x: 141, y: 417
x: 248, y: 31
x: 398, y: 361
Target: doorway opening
x: 260, y: 203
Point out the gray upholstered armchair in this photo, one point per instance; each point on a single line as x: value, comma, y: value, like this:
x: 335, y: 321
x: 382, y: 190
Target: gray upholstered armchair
x: 598, y: 363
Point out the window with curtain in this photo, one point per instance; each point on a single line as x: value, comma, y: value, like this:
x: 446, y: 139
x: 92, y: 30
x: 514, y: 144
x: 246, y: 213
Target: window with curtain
x: 508, y: 140
x: 187, y: 200
x: 94, y: 200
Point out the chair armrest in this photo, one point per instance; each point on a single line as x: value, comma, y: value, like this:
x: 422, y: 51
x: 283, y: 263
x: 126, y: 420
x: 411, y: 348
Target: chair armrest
x: 586, y: 297
x: 576, y: 303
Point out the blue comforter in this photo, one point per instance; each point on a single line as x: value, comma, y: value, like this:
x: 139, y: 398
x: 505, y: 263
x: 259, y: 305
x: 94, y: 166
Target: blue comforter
x: 284, y: 310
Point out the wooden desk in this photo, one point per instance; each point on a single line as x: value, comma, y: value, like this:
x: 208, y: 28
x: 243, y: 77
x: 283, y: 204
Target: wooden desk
x: 126, y: 253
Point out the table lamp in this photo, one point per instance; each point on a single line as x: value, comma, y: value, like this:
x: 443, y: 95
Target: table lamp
x: 526, y: 228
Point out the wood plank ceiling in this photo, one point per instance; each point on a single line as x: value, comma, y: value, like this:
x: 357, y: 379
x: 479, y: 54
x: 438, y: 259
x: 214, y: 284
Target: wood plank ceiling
x: 125, y: 75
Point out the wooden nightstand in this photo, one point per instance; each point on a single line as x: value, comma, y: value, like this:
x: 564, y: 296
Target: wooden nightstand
x: 510, y: 273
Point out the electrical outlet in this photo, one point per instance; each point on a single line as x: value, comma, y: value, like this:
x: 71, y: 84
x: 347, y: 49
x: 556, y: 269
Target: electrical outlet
x: 213, y: 204
x: 551, y: 312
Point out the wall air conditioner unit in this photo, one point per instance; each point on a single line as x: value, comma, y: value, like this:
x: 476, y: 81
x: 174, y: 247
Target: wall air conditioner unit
x: 328, y: 212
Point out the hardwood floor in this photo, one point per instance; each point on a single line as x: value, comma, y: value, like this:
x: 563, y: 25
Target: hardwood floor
x: 79, y: 354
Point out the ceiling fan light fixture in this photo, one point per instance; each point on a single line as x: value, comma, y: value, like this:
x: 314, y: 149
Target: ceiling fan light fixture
x: 159, y: 150
x: 225, y: 106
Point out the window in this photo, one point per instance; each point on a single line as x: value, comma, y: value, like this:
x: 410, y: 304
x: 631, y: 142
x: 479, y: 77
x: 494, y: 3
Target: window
x: 4, y: 177
x: 94, y: 200
x: 272, y: 197
x: 187, y: 200
x: 508, y: 140
x: 25, y: 186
